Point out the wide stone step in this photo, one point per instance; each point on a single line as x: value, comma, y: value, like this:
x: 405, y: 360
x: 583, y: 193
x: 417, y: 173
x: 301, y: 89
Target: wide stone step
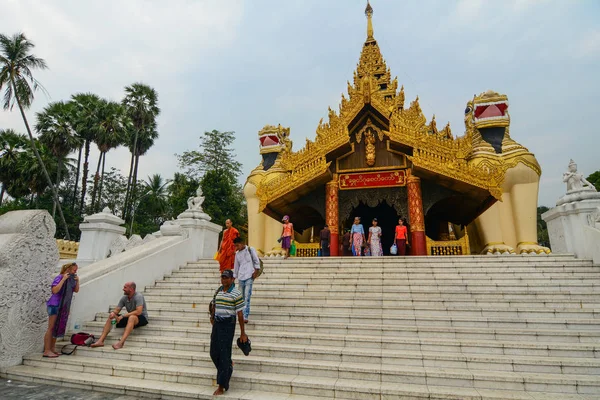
x: 401, y: 282
x: 390, y: 309
x: 361, y: 286
x: 146, y: 388
x: 394, y: 269
x: 549, y: 295
x: 197, y: 368
x: 340, y: 354
x: 388, y: 336
x: 262, y: 297
x: 250, y: 386
x: 380, y: 317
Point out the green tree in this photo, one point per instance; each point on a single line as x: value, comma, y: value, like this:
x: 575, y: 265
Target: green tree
x: 112, y: 131
x: 114, y: 185
x: 222, y: 200
x: 218, y: 171
x: 86, y: 115
x: 215, y: 154
x: 54, y: 124
x: 141, y: 105
x: 12, y: 144
x: 594, y: 179
x: 542, y: 229
x: 150, y: 210
x: 16, y: 77
x: 180, y: 190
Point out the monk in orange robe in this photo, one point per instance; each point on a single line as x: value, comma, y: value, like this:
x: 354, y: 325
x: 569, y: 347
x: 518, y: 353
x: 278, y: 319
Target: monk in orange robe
x: 227, y: 249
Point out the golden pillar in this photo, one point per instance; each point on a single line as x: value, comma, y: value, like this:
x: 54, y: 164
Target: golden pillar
x: 332, y: 214
x: 417, y: 220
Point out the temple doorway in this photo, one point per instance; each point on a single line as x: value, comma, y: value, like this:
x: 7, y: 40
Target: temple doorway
x: 387, y: 219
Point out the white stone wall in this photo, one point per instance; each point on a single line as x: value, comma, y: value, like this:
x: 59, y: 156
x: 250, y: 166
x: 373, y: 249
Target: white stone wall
x: 28, y: 258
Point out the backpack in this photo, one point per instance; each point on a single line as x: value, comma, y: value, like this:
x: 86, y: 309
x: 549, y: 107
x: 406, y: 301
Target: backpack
x: 261, y: 270
x: 79, y: 339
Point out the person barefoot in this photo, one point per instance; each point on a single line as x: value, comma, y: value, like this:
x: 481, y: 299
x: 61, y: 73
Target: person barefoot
x: 136, y: 316
x: 63, y: 287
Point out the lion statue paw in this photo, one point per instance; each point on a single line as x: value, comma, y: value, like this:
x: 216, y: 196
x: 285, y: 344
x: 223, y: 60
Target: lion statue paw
x: 532, y: 249
x: 495, y: 249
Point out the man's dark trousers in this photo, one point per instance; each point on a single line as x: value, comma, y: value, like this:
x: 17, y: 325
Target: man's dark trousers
x: 221, y: 341
x: 324, y: 248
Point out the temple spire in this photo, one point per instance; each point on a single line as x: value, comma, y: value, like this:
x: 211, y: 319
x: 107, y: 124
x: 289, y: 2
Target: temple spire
x: 369, y: 14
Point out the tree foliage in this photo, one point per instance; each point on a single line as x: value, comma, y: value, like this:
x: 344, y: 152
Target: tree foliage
x: 215, y: 154
x: 594, y: 179
x: 542, y: 228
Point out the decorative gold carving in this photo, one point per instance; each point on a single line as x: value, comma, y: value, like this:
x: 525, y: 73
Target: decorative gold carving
x: 370, y: 148
x: 280, y: 136
x: 415, y: 204
x: 332, y: 205
x: 457, y: 247
x: 307, y: 249
x: 67, y: 249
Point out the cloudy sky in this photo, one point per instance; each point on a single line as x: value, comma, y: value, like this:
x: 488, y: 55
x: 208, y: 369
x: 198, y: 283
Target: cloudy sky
x: 238, y: 65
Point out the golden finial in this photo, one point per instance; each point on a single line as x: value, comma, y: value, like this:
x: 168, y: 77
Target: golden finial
x: 369, y: 14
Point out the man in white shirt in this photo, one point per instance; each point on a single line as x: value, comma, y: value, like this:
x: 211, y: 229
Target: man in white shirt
x: 245, y: 269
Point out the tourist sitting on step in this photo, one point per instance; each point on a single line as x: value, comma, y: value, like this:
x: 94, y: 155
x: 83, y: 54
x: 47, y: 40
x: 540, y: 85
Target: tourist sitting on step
x: 59, y: 305
x: 229, y: 304
x: 246, y: 267
x: 136, y: 315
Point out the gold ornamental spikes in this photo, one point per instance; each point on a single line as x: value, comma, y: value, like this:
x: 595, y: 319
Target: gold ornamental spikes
x: 369, y: 14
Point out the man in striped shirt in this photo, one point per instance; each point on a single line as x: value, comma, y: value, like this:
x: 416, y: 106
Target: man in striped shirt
x: 229, y: 303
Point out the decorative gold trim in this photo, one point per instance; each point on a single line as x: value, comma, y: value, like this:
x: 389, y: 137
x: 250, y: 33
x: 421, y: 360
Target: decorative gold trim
x: 448, y: 247
x: 375, y: 169
x: 67, y: 249
x: 307, y: 249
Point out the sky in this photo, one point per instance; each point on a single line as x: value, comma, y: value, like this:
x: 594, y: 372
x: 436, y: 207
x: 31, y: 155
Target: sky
x: 237, y: 65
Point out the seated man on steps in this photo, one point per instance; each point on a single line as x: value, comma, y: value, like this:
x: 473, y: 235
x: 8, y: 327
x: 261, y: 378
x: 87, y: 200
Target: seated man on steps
x: 136, y: 315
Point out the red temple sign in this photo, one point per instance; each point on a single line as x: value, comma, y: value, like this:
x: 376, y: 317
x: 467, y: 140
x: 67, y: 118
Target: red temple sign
x: 364, y: 180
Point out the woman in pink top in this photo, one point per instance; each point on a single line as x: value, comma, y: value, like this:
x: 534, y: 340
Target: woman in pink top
x: 401, y: 237
x: 287, y: 235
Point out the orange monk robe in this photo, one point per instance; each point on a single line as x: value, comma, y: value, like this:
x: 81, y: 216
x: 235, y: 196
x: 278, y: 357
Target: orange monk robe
x: 227, y: 251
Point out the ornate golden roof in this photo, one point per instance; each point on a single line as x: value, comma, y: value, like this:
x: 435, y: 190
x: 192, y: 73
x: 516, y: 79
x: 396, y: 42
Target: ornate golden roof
x: 436, y: 152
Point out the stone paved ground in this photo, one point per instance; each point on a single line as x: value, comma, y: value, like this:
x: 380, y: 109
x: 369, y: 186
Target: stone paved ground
x: 13, y: 390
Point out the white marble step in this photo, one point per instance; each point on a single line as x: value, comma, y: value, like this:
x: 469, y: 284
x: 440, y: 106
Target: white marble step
x: 465, y: 339
x: 248, y: 386
x: 533, y: 293
x: 365, y: 328
x: 301, y: 356
x: 136, y: 363
x: 401, y: 283
x: 387, y: 310
x: 376, y: 299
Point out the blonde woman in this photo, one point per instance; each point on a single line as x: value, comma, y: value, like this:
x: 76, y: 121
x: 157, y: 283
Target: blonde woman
x: 59, y: 304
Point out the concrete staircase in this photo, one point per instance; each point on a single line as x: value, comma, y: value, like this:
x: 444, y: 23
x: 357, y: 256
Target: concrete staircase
x: 363, y: 328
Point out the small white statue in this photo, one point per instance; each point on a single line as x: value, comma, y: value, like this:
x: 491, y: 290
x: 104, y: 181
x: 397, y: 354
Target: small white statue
x: 195, y: 203
x: 575, y: 181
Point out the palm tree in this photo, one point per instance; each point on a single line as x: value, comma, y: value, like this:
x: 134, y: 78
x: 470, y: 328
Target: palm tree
x: 141, y: 103
x: 154, y: 197
x: 55, y: 127
x: 87, y: 122
x: 11, y: 145
x: 16, y: 77
x: 114, y: 124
